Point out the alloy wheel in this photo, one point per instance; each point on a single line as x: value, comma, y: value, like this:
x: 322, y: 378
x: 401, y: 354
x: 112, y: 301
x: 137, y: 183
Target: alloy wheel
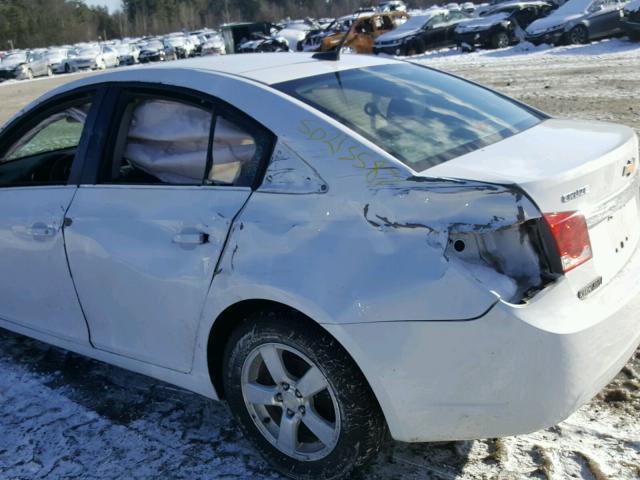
x: 291, y: 402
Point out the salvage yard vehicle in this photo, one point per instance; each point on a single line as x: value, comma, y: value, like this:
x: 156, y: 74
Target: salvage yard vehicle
x: 631, y: 20
x: 128, y: 53
x: 434, y: 29
x: 578, y: 22
x: 156, y: 51
x: 336, y: 248
x: 363, y: 31
x: 24, y: 65
x: 92, y: 57
x: 501, y: 25
x: 236, y: 34
x: 56, y: 58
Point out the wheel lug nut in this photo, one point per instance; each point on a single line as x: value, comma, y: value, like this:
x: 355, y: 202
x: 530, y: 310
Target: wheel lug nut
x: 298, y: 394
x: 285, y: 386
x: 289, y: 413
x: 278, y: 397
x: 301, y: 409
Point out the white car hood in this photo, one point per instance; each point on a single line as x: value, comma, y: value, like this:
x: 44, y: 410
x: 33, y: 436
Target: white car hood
x: 551, y: 23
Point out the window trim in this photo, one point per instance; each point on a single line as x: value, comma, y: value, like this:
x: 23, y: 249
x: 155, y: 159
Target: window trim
x: 21, y: 124
x: 121, y: 93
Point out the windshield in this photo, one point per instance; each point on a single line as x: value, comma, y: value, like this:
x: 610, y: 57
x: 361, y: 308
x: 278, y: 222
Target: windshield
x: 414, y: 23
x: 154, y: 46
x: 15, y: 58
x: 573, y: 7
x: 56, y: 53
x: 123, y: 48
x: 420, y: 116
x: 176, y: 41
x: 89, y: 52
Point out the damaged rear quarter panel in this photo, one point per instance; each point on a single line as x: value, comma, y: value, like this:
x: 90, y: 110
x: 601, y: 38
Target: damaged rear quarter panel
x: 371, y: 246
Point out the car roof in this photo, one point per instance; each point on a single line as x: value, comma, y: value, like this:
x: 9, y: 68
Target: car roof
x: 266, y: 68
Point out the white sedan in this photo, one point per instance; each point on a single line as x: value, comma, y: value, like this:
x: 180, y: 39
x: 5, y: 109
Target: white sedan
x: 336, y: 248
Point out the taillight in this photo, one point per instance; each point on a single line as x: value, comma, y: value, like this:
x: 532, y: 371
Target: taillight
x: 571, y: 236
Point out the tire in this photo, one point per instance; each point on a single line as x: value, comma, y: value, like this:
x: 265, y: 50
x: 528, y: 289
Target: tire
x: 420, y: 46
x: 500, y: 40
x: 343, y: 412
x: 578, y: 35
x: 29, y: 74
x: 634, y: 37
x: 67, y: 68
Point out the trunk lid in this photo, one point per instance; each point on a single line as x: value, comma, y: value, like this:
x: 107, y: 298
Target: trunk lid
x: 566, y: 165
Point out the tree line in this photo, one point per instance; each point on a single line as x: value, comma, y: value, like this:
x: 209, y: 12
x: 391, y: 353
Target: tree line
x: 42, y: 23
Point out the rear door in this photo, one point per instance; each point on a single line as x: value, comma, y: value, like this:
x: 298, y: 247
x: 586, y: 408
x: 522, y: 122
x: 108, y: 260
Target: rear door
x: 147, y: 234
x: 39, y: 159
x: 604, y: 18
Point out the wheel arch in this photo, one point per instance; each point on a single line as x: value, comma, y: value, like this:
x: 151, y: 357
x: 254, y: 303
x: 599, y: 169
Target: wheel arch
x: 231, y: 316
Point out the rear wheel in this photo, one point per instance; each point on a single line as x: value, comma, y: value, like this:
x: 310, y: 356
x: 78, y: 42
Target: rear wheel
x: 578, y: 35
x: 299, y: 397
x: 500, y: 40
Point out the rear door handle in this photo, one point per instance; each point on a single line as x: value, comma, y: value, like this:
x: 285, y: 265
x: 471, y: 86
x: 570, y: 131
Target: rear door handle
x: 40, y: 230
x: 190, y: 238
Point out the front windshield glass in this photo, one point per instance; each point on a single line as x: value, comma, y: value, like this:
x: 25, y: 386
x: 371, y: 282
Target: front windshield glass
x: 420, y: 116
x: 414, y: 23
x: 154, y: 46
x: 15, y: 58
x: 89, y: 52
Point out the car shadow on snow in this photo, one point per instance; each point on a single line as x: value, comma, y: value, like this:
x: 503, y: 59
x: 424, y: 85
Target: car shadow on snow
x: 176, y: 432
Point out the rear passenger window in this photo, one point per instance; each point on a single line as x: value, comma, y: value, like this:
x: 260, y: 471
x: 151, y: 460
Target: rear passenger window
x: 162, y: 141
x: 175, y: 142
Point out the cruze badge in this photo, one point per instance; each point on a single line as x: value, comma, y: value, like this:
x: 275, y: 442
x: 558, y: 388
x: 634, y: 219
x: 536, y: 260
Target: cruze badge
x: 579, y: 192
x: 629, y: 168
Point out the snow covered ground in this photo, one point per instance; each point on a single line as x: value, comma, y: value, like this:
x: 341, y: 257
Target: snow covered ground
x: 62, y: 415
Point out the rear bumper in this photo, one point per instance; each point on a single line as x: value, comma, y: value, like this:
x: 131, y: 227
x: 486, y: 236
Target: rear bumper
x: 515, y: 370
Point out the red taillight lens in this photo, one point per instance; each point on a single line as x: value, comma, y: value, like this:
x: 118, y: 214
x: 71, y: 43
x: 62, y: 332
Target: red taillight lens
x: 569, y: 231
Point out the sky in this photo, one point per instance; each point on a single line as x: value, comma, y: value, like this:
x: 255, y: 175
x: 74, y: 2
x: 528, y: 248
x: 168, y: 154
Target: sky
x: 112, y: 5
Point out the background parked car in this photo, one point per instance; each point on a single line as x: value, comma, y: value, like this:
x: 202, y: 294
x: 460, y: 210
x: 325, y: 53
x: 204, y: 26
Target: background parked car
x: 127, y: 53
x: 156, y: 51
x: 236, y: 34
x: 363, y: 32
x: 180, y: 44
x: 92, y: 57
x: 261, y: 43
x: 631, y: 20
x: 314, y: 39
x: 213, y: 45
x: 56, y: 57
x: 392, y: 6
x: 295, y: 33
x: 434, y: 29
x: 24, y: 65
x: 578, y: 21
x: 501, y: 25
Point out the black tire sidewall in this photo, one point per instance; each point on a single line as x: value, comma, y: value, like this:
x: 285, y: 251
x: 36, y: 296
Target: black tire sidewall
x: 585, y: 36
x: 356, y: 422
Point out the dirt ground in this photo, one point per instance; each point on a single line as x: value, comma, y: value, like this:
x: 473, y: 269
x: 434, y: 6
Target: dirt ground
x: 65, y: 416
